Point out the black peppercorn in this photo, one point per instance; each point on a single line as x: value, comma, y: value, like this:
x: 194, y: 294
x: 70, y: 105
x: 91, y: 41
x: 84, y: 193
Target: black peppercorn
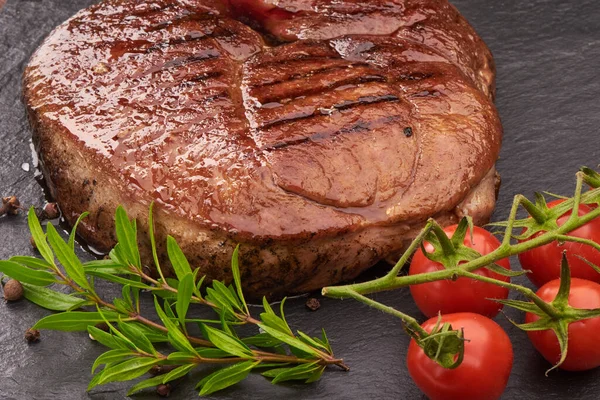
x: 32, y: 335
x: 313, y: 304
x: 163, y: 390
x: 13, y: 290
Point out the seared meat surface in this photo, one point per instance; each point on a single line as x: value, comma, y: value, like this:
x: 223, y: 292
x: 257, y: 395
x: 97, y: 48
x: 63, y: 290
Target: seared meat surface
x: 320, y: 135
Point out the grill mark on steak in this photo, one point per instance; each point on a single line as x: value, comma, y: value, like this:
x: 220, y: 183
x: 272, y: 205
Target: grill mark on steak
x: 300, y: 91
x: 315, y: 72
x: 181, y: 18
x: 324, y: 112
x: 359, y: 126
x: 191, y: 59
x: 298, y: 57
x: 205, y: 76
x: 366, y: 100
x: 415, y: 76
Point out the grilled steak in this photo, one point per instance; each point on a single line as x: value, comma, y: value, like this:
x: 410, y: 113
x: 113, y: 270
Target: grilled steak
x: 320, y: 139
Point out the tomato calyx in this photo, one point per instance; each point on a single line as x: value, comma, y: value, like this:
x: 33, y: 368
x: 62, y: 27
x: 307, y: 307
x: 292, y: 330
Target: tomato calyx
x: 443, y: 345
x: 555, y: 315
x: 543, y: 219
x: 452, y: 252
x: 590, y: 177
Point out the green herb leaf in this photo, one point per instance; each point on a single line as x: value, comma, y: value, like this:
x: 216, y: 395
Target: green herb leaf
x: 31, y: 262
x: 74, y: 230
x: 178, y: 372
x: 126, y: 295
x: 181, y: 266
x: 325, y: 341
x: 106, y: 266
x: 207, y: 352
x: 153, y: 334
x: 176, y: 337
x: 227, y: 296
x: 262, y: 340
x: 119, y: 279
x: 181, y: 357
x: 152, y: 382
x: 227, y: 343
x: 137, y: 337
x: 226, y: 377
x: 39, y: 237
x: 50, y: 299
x: 153, y: 240
x: 237, y: 279
x: 108, y: 340
x: 271, y: 319
x: 223, y: 306
x: 67, y: 258
x: 127, y: 370
x: 199, y: 285
x: 110, y: 357
x: 127, y: 238
x: 299, y: 372
x: 290, y: 340
x: 74, y: 320
x: 310, y: 341
x: 26, y: 275
x: 184, y: 296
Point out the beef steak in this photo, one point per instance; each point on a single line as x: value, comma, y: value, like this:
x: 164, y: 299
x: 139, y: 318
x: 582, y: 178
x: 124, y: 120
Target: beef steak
x: 319, y: 135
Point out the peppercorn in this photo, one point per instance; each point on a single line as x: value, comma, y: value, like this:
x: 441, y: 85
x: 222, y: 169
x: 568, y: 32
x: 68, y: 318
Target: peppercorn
x: 313, y: 304
x: 32, y: 335
x: 13, y: 290
x: 163, y: 390
x: 103, y: 326
x: 51, y: 211
x: 10, y: 205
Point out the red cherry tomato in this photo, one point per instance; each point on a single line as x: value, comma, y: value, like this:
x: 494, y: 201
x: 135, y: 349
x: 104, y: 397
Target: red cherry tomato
x: 463, y: 294
x: 544, y: 261
x: 485, y: 369
x: 583, y: 351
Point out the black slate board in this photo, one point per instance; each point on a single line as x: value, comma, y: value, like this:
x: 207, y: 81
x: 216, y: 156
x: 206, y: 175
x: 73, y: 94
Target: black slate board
x: 547, y: 52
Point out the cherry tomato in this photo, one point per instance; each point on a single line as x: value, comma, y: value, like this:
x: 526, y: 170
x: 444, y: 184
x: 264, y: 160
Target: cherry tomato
x: 485, y: 369
x: 583, y: 351
x: 544, y: 261
x: 463, y: 294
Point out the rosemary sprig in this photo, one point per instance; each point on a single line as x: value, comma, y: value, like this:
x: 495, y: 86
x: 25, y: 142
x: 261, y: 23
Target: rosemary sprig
x: 132, y: 337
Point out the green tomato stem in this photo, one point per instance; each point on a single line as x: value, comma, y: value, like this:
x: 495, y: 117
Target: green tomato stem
x: 409, y: 321
x: 530, y: 294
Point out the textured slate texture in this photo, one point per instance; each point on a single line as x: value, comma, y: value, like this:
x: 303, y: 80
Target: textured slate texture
x: 547, y: 54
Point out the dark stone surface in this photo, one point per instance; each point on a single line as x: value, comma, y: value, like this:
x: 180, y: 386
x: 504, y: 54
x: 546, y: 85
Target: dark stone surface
x: 547, y: 52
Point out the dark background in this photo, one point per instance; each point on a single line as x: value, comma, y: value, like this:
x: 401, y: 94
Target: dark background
x: 548, y: 58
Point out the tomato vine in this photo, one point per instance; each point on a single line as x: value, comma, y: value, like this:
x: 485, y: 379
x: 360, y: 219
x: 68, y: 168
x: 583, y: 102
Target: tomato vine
x: 539, y: 228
